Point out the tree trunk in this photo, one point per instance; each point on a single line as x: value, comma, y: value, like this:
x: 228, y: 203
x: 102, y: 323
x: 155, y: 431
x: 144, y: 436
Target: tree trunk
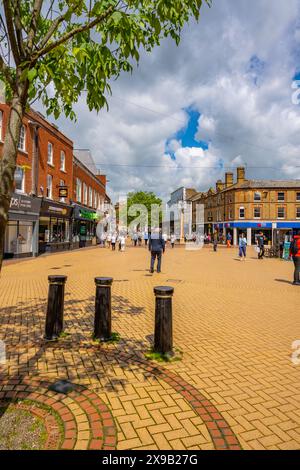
x: 8, y: 163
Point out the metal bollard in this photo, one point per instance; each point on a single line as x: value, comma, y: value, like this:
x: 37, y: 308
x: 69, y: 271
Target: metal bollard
x: 55, y: 308
x: 102, y: 325
x: 163, y: 333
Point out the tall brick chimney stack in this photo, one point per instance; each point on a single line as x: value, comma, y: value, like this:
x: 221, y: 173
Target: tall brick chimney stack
x: 228, y: 179
x: 240, y: 174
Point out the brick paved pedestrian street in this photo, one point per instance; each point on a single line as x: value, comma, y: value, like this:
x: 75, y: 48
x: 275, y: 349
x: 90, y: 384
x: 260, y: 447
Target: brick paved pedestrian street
x: 235, y: 387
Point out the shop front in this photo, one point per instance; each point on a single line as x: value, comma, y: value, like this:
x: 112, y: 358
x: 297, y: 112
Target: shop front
x: 282, y: 236
x: 84, y: 227
x: 54, y: 227
x: 21, y: 233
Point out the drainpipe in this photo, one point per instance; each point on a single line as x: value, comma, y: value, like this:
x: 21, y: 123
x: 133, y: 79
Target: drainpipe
x: 35, y: 159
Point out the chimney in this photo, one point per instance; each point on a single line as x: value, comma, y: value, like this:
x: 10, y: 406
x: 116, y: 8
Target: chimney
x: 228, y: 179
x: 240, y: 174
x: 219, y: 185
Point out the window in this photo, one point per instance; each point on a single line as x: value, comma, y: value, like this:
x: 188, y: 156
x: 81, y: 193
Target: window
x: 280, y: 213
x: 85, y: 194
x: 22, y: 139
x: 94, y: 200
x: 50, y: 154
x: 1, y: 124
x: 49, y: 187
x: 242, y: 212
x: 78, y: 190
x: 62, y: 160
x: 298, y: 197
x: 19, y: 180
x: 256, y: 212
x: 257, y: 196
x: 298, y: 212
x: 90, y: 197
x: 281, y: 197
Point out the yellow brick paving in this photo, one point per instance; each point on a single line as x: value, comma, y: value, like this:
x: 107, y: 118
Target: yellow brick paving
x: 234, y: 321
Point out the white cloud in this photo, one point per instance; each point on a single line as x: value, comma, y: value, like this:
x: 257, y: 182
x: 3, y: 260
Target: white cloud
x: 236, y: 68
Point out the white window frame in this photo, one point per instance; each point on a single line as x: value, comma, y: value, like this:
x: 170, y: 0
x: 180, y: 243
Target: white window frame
x: 280, y: 200
x: 62, y: 160
x: 257, y: 193
x: 298, y: 194
x: 22, y: 190
x: 242, y: 208
x: 85, y: 194
x: 255, y: 216
x: 78, y: 190
x: 90, y: 197
x: 297, y: 209
x: 50, y: 161
x: 280, y: 218
x: 22, y: 139
x: 49, y: 194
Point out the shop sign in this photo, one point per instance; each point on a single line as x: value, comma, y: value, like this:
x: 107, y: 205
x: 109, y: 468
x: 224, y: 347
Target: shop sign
x: 22, y: 203
x: 55, y: 209
x: 63, y: 191
x: 88, y: 215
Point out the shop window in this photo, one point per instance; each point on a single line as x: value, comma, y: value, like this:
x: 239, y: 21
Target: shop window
x: 280, y: 213
x: 298, y: 197
x: 22, y: 139
x: 85, y: 194
x: 1, y: 124
x: 257, y: 196
x: 62, y: 183
x: 50, y: 154
x: 242, y: 212
x: 281, y: 197
x: 298, y: 212
x: 257, y: 213
x: 49, y: 186
x: 62, y: 161
x: 19, y: 180
x: 78, y: 190
x: 18, y: 239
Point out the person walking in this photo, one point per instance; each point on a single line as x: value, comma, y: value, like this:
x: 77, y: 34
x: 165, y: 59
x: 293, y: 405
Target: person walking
x: 229, y: 240
x: 242, y: 246
x: 122, y: 242
x: 173, y: 240
x: 261, y: 244
x: 146, y: 237
x: 135, y: 238
x: 157, y: 248
x: 108, y: 240
x: 113, y: 241
x: 215, y: 242
x: 295, y: 255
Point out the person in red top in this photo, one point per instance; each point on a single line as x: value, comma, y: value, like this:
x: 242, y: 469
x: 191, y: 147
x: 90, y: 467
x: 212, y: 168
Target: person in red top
x: 295, y: 254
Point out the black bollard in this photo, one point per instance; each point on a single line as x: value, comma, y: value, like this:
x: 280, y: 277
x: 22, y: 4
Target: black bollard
x: 55, y: 308
x: 102, y: 325
x: 163, y: 334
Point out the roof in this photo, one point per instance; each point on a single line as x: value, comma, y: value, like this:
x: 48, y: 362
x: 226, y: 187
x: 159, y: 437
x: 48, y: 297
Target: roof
x: 85, y: 157
x: 280, y: 184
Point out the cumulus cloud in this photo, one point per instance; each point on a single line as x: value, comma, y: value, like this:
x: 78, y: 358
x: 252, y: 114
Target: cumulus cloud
x: 236, y: 69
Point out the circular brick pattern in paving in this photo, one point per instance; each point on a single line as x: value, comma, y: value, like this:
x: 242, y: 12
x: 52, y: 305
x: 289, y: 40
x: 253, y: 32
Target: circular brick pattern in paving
x: 77, y: 420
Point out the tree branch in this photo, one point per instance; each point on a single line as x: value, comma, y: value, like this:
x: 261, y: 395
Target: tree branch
x: 33, y: 24
x: 11, y: 32
x: 72, y: 33
x: 19, y: 28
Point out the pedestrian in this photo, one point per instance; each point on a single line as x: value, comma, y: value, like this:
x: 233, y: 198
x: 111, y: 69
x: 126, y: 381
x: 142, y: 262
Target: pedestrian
x: 108, y: 239
x: 260, y: 241
x: 165, y: 238
x: 295, y: 255
x: 242, y: 246
x: 157, y: 248
x: 146, y: 237
x: 122, y: 242
x: 113, y: 241
x: 139, y: 235
x: 173, y: 240
x: 229, y: 240
x: 215, y: 242
x: 208, y: 238
x: 134, y: 238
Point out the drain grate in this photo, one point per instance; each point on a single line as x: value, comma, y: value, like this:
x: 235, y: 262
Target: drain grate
x: 175, y: 281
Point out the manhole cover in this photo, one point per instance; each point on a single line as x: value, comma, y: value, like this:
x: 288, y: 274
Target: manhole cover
x: 62, y: 386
